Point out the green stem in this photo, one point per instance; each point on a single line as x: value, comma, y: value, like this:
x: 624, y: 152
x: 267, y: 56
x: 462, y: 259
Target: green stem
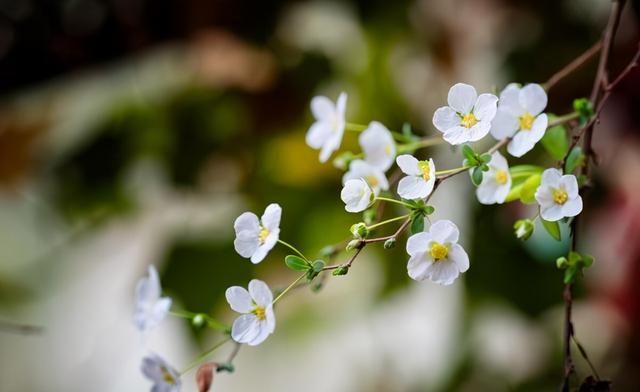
x: 456, y: 170
x: 353, y: 127
x: 426, y: 142
x: 397, y: 218
x: 288, y: 288
x: 563, y: 119
x: 395, y: 201
x: 293, y: 248
x: 211, y: 322
x: 204, y: 355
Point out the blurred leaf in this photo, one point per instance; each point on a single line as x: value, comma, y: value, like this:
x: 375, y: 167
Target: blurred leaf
x: 529, y: 187
x: 556, y: 142
x: 296, y: 263
x: 476, y: 176
x: 417, y: 224
x: 574, y: 160
x: 553, y: 228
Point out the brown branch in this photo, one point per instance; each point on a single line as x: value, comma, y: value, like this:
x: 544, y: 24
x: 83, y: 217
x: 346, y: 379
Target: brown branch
x: 572, y: 66
x: 568, y: 332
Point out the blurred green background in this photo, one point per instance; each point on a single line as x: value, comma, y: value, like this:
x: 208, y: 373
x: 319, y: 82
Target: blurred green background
x: 134, y: 132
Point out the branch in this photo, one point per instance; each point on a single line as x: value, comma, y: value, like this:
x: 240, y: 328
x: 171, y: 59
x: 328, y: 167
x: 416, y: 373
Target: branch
x: 572, y: 66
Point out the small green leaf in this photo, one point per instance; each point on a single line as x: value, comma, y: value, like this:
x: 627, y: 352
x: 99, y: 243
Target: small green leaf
x: 529, y: 187
x: 469, y: 154
x: 476, y: 176
x: 485, y: 158
x: 574, y: 160
x: 484, y: 168
x: 562, y: 262
x: 318, y: 265
x: 555, y: 141
x: 553, y: 228
x: 406, y: 131
x: 587, y: 261
x: 570, y: 274
x: 342, y: 270
x: 390, y: 243
x: 585, y: 108
x: 297, y: 263
x: 428, y: 210
x: 417, y: 224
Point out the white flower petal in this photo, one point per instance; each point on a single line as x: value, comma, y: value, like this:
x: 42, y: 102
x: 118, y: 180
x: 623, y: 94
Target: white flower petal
x: 262, y: 251
x: 271, y: 318
x: 341, y: 106
x: 445, y: 118
x: 246, y: 243
x: 318, y: 134
x: 356, y: 195
x: 533, y: 99
x: 486, y: 192
x: 479, y: 131
x: 459, y: 257
x: 330, y: 145
x: 457, y: 135
x: 263, y: 334
x: 418, y: 243
x: 408, y: 164
x: 271, y: 217
x: 378, y: 146
x: 570, y: 184
x: 521, y: 144
x: 245, y: 328
x: 148, y: 288
x: 551, y: 177
x: 418, y: 267
x: 160, y: 310
x: 543, y: 196
x: 572, y: 207
x: 413, y: 187
x: 260, y: 293
x: 444, y: 231
x: 504, y: 125
x: 322, y: 108
x: 485, y: 107
x: 510, y: 101
x: 552, y: 212
x: 500, y: 162
x: 247, y: 221
x: 462, y: 97
x: 443, y: 272
x: 239, y: 299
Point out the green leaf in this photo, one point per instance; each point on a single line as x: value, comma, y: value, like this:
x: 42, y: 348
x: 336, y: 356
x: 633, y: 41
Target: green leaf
x: 574, y: 160
x: 318, y: 265
x: 297, y: 263
x: 555, y: 141
x: 585, y: 108
x: 417, y: 224
x: 468, y: 153
x: 485, y: 158
x: 553, y: 228
x: 570, y: 274
x: 529, y: 187
x: 428, y: 210
x: 587, y: 261
x: 476, y: 176
x: 342, y: 270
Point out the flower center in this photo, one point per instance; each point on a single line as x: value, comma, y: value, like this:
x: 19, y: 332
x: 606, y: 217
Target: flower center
x: 260, y: 313
x: 264, y: 233
x: 560, y: 196
x: 438, y: 251
x: 526, y: 121
x: 425, y: 169
x: 501, y: 177
x: 387, y: 150
x: 372, y: 180
x: 166, y: 376
x: 469, y: 120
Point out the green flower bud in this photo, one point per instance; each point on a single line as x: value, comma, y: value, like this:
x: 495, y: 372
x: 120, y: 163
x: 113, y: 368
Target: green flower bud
x: 359, y: 230
x: 353, y: 244
x: 342, y: 270
x: 198, y: 320
x: 524, y: 229
x: 390, y: 243
x: 562, y: 262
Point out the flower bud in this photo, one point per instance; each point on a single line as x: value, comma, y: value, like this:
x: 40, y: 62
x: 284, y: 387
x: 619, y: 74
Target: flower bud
x: 342, y: 270
x: 524, y: 229
x: 390, y: 243
x: 198, y: 320
x: 359, y: 230
x: 562, y: 262
x: 204, y: 376
x: 353, y: 244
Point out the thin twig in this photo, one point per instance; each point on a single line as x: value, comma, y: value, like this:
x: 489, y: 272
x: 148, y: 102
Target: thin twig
x: 583, y: 352
x: 572, y: 66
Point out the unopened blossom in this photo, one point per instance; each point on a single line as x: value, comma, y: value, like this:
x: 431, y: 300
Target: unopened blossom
x: 496, y: 182
x: 371, y: 174
x: 164, y: 377
x: 420, y: 179
x: 436, y: 255
x: 326, y: 132
x: 258, y: 320
x: 558, y: 195
x: 520, y: 117
x: 150, y: 307
x: 356, y: 195
x: 378, y: 146
x: 468, y: 116
x: 255, y: 237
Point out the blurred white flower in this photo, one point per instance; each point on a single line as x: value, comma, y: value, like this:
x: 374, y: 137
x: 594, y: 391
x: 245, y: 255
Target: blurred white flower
x: 326, y: 133
x: 468, y: 116
x: 356, y: 195
x: 256, y: 305
x: 255, y: 237
x: 378, y: 146
x: 520, y: 117
x: 420, y: 179
x: 436, y: 255
x: 164, y: 377
x: 558, y: 195
x: 496, y: 183
x: 371, y: 174
x: 150, y: 308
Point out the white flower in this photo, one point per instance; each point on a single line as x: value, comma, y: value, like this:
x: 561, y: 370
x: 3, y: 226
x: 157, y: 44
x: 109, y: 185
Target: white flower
x: 420, y: 179
x: 496, y: 182
x: 436, y: 255
x: 255, y: 238
x: 371, y: 174
x: 150, y: 308
x: 558, y: 195
x: 468, y: 116
x: 258, y: 320
x: 164, y: 377
x: 326, y: 133
x: 378, y: 146
x: 520, y: 117
x: 356, y: 195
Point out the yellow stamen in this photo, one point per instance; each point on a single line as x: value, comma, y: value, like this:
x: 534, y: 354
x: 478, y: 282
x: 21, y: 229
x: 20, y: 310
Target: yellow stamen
x: 260, y: 313
x: 372, y: 180
x: 501, y: 177
x: 387, y: 150
x: 425, y: 169
x: 166, y: 375
x: 438, y: 251
x: 526, y: 121
x: 264, y: 233
x: 560, y: 196
x: 469, y: 120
